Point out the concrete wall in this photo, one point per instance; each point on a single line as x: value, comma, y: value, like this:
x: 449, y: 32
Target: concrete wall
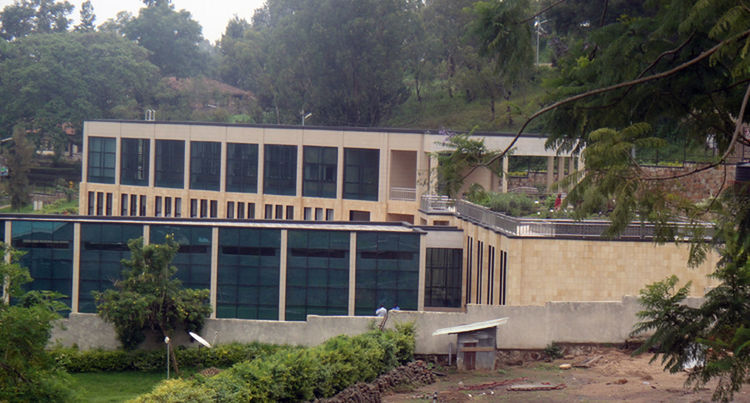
x: 528, y: 327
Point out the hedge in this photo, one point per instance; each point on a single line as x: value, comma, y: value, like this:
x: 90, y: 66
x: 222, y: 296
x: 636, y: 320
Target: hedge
x: 222, y: 356
x: 292, y: 374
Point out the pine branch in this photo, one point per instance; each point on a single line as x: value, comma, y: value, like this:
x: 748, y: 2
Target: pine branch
x: 704, y: 55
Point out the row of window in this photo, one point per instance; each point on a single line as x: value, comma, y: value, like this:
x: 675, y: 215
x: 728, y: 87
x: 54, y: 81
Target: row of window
x: 248, y: 266
x: 476, y: 269
x: 319, y: 170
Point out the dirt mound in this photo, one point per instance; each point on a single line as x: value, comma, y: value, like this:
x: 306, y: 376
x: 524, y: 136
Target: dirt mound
x: 414, y: 373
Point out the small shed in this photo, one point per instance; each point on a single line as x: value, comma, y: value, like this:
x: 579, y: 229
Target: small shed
x: 477, y: 344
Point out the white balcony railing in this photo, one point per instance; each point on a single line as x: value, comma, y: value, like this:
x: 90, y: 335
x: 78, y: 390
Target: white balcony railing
x: 407, y: 194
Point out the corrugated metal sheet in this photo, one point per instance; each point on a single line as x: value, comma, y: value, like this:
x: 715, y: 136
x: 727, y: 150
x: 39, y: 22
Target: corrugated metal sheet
x: 471, y: 327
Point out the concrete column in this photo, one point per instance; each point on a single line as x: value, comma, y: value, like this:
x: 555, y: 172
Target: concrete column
x: 261, y: 173
x: 352, y: 271
x: 214, y: 270
x: 146, y: 234
x: 152, y: 161
x: 118, y: 163
x: 581, y: 165
x: 571, y: 170
x: 8, y: 241
x: 422, y: 271
x: 223, y: 169
x: 300, y: 172
x: 75, y: 289
x: 432, y: 174
x: 560, y: 172
x: 340, y: 214
x: 550, y: 173
x: 282, y: 274
x: 504, y: 187
x: 186, y: 173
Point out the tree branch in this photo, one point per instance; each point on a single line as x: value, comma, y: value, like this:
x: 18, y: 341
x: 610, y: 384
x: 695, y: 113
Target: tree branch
x: 544, y: 10
x: 704, y: 55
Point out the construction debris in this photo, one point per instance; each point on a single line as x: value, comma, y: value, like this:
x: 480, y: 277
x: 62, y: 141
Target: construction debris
x: 492, y: 385
x: 587, y: 363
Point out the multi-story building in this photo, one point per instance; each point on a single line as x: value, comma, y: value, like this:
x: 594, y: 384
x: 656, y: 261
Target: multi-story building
x: 281, y: 222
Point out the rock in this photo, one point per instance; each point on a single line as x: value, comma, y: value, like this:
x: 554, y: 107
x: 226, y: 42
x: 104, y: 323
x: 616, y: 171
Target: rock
x: 565, y: 366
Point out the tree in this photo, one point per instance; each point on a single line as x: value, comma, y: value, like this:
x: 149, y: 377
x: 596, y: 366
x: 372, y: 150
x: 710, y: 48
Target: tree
x: 343, y: 61
x: 25, y: 17
x: 149, y: 298
x: 19, y: 159
x: 52, y: 79
x: 173, y: 37
x: 27, y: 371
x: 87, y: 18
x: 634, y: 81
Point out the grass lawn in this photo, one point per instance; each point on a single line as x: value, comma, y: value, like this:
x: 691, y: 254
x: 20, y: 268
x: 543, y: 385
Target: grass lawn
x: 115, y: 386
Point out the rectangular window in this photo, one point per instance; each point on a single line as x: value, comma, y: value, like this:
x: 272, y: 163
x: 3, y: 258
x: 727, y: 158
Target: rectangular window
x: 157, y: 206
x: 92, y: 203
x: 193, y: 260
x: 204, y: 208
x: 167, y: 207
x: 443, y: 277
x: 318, y: 214
x: 329, y: 214
x: 205, y: 165
x: 230, y: 209
x: 355, y: 215
x: 241, y: 210
x: 214, y: 209
x: 193, y: 208
x: 134, y: 162
x: 109, y: 204
x: 279, y: 212
x: 290, y: 212
x: 251, y: 210
x: 387, y: 271
x: 170, y: 164
x: 143, y: 206
x: 361, y: 173
x: 319, y: 171
x: 317, y: 274
x: 480, y: 267
x: 280, y: 170
x: 269, y: 212
x: 503, y: 276
x: 247, y: 285
x: 178, y: 207
x: 491, y: 274
x: 308, y: 214
x: 469, y: 253
x: 99, y: 203
x: 123, y: 204
x: 101, y: 160
x: 133, y: 205
x: 242, y: 168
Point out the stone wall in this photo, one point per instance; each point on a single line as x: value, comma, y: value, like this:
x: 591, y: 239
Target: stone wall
x: 528, y: 327
x: 698, y: 186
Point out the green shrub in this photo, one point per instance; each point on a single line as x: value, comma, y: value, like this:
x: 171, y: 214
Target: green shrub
x: 294, y: 374
x: 222, y: 356
x: 178, y: 390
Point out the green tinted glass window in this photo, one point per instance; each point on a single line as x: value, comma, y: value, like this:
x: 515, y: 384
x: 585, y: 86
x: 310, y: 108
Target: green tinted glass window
x: 319, y: 170
x: 193, y: 260
x: 49, y: 254
x: 101, y: 160
x: 361, y: 173
x: 242, y: 168
x: 387, y: 271
x: 248, y: 274
x: 205, y: 165
x: 443, y: 277
x: 280, y: 170
x: 170, y: 164
x: 317, y: 274
x: 134, y: 162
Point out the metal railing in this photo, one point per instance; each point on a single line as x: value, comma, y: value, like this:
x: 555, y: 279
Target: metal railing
x: 408, y: 194
x: 528, y: 227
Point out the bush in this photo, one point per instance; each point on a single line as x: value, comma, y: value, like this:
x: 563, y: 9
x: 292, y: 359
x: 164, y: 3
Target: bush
x: 222, y: 356
x: 293, y: 374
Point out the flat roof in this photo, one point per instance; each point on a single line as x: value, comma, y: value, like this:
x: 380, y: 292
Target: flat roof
x: 219, y: 222
x: 435, y: 132
x: 471, y: 327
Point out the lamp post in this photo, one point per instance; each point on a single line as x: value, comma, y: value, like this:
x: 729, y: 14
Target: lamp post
x: 166, y: 341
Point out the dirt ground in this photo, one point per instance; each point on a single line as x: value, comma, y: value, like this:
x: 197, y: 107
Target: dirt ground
x: 613, y: 376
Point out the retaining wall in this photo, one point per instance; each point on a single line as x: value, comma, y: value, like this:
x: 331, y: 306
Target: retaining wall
x: 528, y: 327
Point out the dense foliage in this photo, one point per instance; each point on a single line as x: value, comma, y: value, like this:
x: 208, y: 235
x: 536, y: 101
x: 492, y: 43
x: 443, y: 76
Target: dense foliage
x: 220, y: 356
x: 150, y: 298
x: 27, y: 371
x: 298, y: 374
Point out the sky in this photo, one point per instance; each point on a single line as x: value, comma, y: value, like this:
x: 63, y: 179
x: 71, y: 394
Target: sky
x: 213, y: 15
